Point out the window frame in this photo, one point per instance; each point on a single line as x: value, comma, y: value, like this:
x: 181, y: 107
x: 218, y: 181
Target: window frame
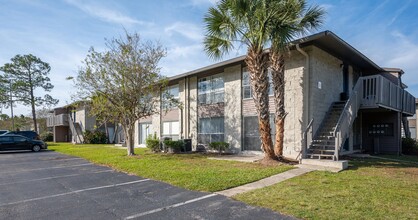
x: 210, y: 92
x: 243, y: 85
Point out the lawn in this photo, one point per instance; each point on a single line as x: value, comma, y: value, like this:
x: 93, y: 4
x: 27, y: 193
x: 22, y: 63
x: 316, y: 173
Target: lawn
x: 370, y: 189
x: 190, y: 171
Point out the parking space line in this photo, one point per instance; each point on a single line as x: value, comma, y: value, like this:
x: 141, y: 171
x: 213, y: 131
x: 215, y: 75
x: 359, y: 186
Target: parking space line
x: 47, y: 168
x: 53, y: 160
x: 73, y: 192
x: 169, y: 207
x: 55, y: 177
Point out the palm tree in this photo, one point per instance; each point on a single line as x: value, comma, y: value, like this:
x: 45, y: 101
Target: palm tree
x: 245, y: 22
x: 294, y: 18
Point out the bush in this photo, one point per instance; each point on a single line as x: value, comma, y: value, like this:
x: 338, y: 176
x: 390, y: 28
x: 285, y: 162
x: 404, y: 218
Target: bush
x: 153, y: 143
x: 175, y: 146
x: 95, y: 137
x: 409, y: 146
x: 47, y: 136
x: 219, y: 146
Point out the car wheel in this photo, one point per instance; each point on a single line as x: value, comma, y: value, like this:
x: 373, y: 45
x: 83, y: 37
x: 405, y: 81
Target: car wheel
x: 36, y: 148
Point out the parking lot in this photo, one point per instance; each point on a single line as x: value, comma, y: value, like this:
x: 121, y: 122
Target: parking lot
x: 50, y: 185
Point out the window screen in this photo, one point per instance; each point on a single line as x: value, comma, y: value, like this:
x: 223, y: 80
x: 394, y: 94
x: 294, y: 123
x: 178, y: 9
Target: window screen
x: 252, y: 139
x: 171, y: 129
x: 210, y: 130
x: 211, y: 89
x: 246, y: 84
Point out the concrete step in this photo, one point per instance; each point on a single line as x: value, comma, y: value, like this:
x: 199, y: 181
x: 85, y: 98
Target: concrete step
x: 320, y: 156
x: 321, y: 151
x: 340, y: 164
x: 322, y: 145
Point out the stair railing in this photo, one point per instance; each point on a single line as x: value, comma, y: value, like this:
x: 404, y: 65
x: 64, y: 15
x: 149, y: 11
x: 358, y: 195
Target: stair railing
x: 74, y: 129
x: 308, y: 135
x: 347, y: 117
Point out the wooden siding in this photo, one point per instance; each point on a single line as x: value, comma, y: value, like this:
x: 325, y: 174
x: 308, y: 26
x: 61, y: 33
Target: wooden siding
x: 211, y: 110
x: 248, y: 106
x: 171, y: 115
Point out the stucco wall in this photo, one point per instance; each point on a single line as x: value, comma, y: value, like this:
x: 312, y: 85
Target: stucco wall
x: 294, y: 104
x: 326, y: 70
x: 156, y: 123
x: 193, y: 110
x: 232, y: 107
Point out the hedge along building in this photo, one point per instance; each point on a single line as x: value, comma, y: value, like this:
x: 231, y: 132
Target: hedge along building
x: 338, y: 102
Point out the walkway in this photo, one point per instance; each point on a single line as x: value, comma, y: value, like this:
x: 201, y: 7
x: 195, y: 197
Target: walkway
x: 265, y: 182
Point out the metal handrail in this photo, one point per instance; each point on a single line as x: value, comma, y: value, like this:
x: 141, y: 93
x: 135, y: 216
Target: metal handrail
x: 347, y: 117
x: 308, y: 139
x: 74, y: 129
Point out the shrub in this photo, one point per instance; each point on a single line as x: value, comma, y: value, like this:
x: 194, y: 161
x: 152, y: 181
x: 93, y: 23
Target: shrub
x: 47, y: 136
x: 153, y: 143
x: 409, y: 146
x: 95, y: 137
x: 175, y: 146
x: 219, y: 146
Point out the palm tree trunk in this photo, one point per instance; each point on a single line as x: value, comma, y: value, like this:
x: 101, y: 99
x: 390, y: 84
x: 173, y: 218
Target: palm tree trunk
x: 257, y: 62
x: 277, y: 72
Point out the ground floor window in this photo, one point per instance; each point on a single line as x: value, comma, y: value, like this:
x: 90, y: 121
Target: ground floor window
x: 413, y: 132
x: 171, y: 130
x: 210, y: 130
x: 144, y: 132
x: 252, y: 141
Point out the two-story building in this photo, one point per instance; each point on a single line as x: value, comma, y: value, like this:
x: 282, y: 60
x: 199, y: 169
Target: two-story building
x: 338, y: 102
x: 69, y: 123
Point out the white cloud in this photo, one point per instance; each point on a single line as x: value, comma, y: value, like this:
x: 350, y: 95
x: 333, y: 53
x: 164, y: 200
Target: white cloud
x: 204, y: 2
x: 106, y: 14
x: 188, y: 30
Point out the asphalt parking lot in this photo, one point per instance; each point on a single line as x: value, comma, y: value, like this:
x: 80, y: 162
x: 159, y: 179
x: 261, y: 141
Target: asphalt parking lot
x: 50, y: 185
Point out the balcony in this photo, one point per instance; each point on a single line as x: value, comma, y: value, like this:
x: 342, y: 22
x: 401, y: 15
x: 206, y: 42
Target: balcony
x: 57, y: 120
x: 379, y: 92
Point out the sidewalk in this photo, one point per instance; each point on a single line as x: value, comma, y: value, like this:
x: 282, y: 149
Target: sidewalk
x: 265, y: 182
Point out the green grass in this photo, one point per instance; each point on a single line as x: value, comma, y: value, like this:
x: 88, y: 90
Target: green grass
x: 190, y: 171
x: 409, y: 158
x: 370, y: 189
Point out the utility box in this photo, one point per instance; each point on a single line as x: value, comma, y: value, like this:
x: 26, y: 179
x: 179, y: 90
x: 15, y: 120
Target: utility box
x: 187, y: 145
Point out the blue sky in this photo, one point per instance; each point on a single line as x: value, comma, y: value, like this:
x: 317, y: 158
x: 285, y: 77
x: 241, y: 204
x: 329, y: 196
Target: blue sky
x: 60, y: 32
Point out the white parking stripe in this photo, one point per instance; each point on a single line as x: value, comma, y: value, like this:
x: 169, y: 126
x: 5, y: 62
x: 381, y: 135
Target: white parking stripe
x: 73, y: 192
x: 169, y: 207
x: 47, y: 168
x: 55, y: 177
x: 54, y: 160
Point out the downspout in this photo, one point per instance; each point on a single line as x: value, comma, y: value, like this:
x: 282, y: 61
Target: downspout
x: 307, y: 85
x: 306, y: 99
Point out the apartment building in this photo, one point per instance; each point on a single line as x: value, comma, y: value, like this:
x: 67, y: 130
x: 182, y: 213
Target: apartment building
x: 338, y: 102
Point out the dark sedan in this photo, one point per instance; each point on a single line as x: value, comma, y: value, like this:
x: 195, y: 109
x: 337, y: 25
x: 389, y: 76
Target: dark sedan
x: 18, y: 142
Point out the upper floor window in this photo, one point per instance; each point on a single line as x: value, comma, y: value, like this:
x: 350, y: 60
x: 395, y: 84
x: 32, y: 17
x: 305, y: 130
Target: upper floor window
x: 246, y: 84
x: 211, y: 89
x: 170, y: 96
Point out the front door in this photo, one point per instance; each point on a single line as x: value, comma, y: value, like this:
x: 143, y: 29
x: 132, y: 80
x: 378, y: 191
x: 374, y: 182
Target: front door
x: 145, y: 131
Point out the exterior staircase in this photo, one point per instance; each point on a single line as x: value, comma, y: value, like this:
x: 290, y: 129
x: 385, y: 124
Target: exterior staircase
x: 323, y: 145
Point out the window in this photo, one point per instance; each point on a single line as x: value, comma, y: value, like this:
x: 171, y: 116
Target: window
x: 246, y: 84
x: 171, y: 130
x: 211, y: 89
x: 145, y: 131
x: 252, y: 139
x: 210, y: 130
x: 170, y: 94
x: 19, y: 139
x: 6, y: 139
